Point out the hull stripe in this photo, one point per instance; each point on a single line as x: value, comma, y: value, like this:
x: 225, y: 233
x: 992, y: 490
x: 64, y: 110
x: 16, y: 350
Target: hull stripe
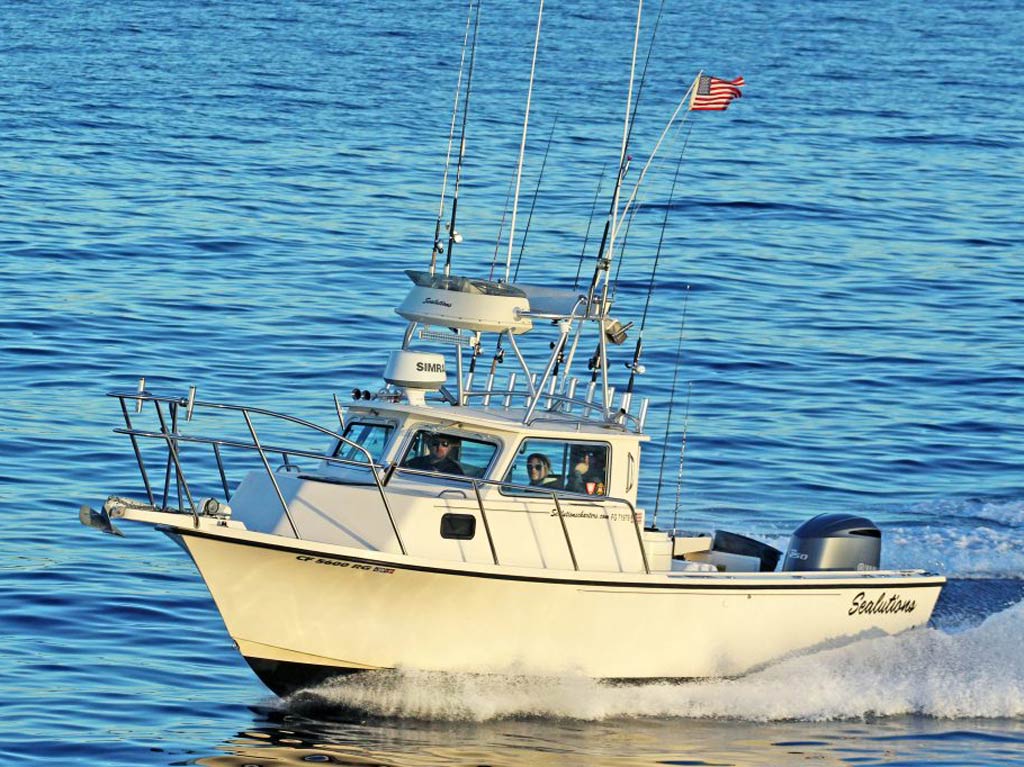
x: 866, y: 583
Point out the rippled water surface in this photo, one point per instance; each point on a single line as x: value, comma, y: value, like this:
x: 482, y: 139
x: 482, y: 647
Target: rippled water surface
x: 226, y: 194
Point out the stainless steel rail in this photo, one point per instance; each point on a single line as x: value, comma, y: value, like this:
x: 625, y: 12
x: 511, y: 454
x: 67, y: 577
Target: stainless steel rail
x: 487, y: 526
x: 565, y: 531
x: 532, y: 490
x: 172, y: 438
x: 382, y: 474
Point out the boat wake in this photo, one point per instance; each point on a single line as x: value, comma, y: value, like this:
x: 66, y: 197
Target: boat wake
x: 974, y: 672
x: 978, y: 539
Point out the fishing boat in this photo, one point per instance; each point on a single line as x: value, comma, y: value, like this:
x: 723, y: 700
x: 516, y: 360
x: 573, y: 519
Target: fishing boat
x: 454, y: 522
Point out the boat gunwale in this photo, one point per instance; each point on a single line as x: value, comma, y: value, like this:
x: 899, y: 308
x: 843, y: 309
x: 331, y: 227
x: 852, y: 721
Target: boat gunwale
x: 657, y: 580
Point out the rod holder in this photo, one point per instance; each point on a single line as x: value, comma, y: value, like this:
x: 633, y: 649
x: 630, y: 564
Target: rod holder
x: 338, y: 410
x: 190, y: 403
x: 511, y: 389
x: 626, y: 402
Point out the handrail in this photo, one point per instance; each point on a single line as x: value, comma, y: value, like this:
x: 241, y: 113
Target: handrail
x: 172, y: 437
x: 487, y: 527
x: 172, y: 453
x: 138, y: 454
x: 270, y: 473
x: 249, y: 446
x: 565, y: 531
x: 538, y: 492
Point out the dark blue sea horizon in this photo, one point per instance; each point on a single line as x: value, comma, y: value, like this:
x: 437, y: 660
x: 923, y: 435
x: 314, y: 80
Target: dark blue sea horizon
x: 227, y: 196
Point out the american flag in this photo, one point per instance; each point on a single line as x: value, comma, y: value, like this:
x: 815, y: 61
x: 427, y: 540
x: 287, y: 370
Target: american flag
x: 713, y: 93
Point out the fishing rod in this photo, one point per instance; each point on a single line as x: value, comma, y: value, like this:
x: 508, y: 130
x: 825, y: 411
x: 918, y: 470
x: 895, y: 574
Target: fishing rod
x: 453, y: 235
x: 636, y: 108
x: 522, y: 143
x: 438, y: 247
x: 634, y: 366
x: 671, y: 407
x: 590, y: 221
x: 600, y: 359
x: 533, y: 204
x: 499, y: 357
x: 601, y: 261
x: 636, y: 209
x: 611, y: 225
x: 501, y: 226
x: 604, y: 261
x: 682, y: 455
x: 657, y: 146
x: 477, y: 351
x: 622, y: 253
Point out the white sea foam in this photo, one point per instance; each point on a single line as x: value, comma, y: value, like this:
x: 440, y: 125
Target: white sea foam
x: 979, y: 539
x: 966, y: 538
x: 975, y: 673
x: 1009, y: 513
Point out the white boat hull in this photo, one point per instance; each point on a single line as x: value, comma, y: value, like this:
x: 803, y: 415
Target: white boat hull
x: 300, y: 612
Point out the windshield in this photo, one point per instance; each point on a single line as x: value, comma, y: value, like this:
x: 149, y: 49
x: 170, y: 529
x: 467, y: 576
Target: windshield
x: 372, y: 436
x: 575, y: 466
x: 448, y: 454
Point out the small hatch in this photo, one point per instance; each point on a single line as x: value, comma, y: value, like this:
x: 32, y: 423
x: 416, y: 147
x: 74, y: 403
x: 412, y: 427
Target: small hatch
x: 461, y: 527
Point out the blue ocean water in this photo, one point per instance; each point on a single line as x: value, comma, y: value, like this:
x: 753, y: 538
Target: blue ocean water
x: 225, y: 194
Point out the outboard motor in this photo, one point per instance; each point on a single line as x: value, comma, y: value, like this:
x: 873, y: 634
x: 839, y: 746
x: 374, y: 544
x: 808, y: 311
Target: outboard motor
x: 834, y: 542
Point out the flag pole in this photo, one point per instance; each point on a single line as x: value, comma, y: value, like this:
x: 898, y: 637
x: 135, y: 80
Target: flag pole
x: 687, y: 98
x: 693, y: 88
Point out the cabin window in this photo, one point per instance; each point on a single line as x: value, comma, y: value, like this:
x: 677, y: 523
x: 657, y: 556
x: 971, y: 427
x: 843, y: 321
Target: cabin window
x: 461, y: 527
x: 570, y: 465
x: 372, y: 436
x: 447, y: 453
